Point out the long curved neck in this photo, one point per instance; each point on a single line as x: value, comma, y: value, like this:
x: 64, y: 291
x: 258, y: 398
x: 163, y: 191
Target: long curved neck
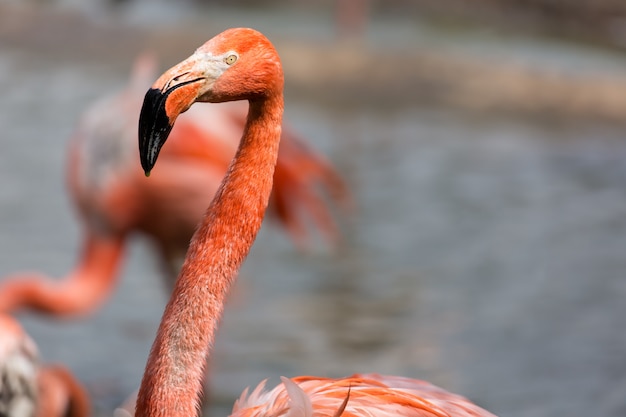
x: 173, y: 378
x: 80, y: 292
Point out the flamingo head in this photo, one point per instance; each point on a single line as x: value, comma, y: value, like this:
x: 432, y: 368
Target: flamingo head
x: 237, y: 64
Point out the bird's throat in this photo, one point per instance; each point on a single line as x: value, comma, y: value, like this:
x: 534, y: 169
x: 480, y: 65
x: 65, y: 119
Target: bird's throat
x: 218, y: 248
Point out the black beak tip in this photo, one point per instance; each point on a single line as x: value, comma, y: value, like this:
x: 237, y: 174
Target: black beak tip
x: 154, y: 128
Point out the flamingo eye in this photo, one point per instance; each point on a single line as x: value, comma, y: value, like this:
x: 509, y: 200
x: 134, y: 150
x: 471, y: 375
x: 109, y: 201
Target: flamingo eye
x: 230, y: 59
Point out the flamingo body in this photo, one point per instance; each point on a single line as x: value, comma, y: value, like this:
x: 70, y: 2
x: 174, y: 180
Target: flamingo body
x: 242, y: 64
x: 29, y: 389
x: 114, y: 199
x: 354, y: 396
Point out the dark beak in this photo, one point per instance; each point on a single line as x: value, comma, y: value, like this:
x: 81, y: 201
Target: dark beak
x: 162, y: 104
x: 154, y: 127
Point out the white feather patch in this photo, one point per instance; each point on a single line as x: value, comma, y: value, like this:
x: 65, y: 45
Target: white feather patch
x: 300, y: 403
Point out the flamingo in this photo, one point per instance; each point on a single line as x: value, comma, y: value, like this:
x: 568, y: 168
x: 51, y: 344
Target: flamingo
x: 29, y: 389
x: 114, y: 199
x: 242, y: 64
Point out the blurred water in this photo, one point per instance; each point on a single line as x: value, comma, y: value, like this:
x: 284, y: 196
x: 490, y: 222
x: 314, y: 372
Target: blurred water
x: 486, y: 256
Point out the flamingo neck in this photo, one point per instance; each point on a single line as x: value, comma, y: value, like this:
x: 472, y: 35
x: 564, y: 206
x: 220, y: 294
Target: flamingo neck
x: 172, y: 381
x: 80, y: 292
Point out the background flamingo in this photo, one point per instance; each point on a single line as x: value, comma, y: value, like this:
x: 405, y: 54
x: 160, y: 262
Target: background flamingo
x: 241, y: 64
x: 28, y: 388
x: 114, y: 199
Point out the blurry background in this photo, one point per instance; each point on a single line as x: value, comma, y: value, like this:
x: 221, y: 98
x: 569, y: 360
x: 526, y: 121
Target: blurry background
x: 484, y: 143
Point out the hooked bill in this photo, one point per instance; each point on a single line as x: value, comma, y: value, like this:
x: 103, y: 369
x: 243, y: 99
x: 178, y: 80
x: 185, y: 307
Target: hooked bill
x: 154, y: 127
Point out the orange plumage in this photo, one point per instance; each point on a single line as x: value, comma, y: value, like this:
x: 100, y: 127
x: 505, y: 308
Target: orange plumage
x: 114, y: 199
x: 242, y: 64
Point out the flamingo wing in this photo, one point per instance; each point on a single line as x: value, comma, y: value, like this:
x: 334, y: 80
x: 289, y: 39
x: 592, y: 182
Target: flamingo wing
x: 359, y: 395
x: 306, y: 185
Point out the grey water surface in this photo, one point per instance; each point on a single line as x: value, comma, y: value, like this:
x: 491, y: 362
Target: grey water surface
x: 487, y: 255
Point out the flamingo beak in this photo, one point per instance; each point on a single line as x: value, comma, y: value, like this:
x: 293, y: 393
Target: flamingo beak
x: 172, y: 94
